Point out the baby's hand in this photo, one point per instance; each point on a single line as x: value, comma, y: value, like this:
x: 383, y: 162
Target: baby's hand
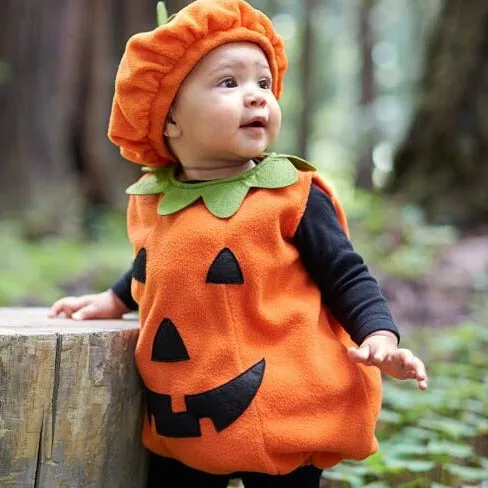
x: 103, y: 305
x: 380, y: 349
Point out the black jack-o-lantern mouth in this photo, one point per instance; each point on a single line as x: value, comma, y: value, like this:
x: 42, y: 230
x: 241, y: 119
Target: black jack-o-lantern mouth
x: 223, y: 404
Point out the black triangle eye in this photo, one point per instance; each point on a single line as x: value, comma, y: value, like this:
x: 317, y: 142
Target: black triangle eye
x: 139, y: 266
x: 168, y: 345
x: 225, y: 269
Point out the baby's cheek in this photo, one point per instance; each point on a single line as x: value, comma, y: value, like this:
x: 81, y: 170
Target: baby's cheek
x: 275, y: 122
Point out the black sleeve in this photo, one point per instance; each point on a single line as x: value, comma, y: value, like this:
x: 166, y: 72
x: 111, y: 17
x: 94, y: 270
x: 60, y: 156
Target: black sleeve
x: 348, y: 289
x: 122, y: 289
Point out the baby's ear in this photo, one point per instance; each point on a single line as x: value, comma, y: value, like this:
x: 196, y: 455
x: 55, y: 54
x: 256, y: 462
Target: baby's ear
x: 171, y: 127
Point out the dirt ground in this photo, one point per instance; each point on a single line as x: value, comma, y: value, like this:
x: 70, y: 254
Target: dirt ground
x: 453, y: 291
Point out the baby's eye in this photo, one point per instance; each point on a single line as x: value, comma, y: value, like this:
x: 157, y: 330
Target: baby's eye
x: 228, y: 83
x: 265, y: 83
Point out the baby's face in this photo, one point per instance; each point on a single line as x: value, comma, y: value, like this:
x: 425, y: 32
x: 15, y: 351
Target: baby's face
x: 225, y: 109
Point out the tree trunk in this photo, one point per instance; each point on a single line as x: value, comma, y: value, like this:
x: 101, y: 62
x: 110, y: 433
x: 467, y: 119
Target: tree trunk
x: 54, y: 151
x: 70, y: 400
x: 32, y: 153
x: 443, y: 163
x: 364, y: 174
x: 307, y: 77
x: 174, y: 6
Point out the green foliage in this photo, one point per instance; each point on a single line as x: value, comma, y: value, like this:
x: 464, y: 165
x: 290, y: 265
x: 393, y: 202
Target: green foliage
x: 436, y: 438
x: 395, y: 238
x: 37, y: 273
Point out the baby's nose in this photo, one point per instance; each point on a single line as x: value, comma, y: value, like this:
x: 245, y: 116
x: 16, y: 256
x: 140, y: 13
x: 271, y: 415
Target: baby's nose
x: 255, y: 99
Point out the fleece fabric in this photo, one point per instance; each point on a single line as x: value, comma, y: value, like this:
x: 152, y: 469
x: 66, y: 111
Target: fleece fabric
x: 244, y: 367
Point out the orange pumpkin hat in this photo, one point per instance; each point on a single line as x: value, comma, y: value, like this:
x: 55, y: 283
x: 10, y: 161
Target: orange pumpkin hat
x: 155, y: 63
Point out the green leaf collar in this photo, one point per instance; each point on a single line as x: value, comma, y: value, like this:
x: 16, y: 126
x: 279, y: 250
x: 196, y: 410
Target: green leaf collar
x: 221, y: 197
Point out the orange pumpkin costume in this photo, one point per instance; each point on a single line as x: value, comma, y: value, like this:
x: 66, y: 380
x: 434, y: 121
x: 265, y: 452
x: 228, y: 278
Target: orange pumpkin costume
x: 245, y: 368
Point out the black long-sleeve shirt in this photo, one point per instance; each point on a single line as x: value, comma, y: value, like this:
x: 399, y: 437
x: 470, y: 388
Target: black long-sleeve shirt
x: 348, y: 289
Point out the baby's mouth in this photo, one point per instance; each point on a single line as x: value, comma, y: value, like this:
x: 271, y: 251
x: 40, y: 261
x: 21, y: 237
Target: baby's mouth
x: 256, y: 122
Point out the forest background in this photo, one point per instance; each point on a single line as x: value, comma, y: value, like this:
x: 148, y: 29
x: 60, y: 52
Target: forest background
x: 388, y: 98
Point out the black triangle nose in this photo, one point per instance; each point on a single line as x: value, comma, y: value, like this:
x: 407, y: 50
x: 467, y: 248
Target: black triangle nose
x: 225, y: 269
x: 168, y: 346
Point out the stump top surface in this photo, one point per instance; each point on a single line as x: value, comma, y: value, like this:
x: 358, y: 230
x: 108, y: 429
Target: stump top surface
x: 34, y: 321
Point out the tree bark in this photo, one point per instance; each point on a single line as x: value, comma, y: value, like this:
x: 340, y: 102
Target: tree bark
x: 70, y: 400
x: 54, y: 151
x: 32, y: 154
x: 307, y: 77
x: 364, y: 174
x: 443, y: 163
x: 175, y: 6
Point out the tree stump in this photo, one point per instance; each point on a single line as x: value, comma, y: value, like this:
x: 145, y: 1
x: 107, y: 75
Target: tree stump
x: 70, y: 402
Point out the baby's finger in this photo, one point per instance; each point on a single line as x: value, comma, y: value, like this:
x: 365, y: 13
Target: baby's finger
x: 377, y: 357
x: 403, y: 358
x: 417, y: 372
x: 360, y: 355
x: 423, y: 385
x: 85, y: 313
x: 64, y: 305
x: 54, y: 310
x: 69, y: 305
x: 418, y: 369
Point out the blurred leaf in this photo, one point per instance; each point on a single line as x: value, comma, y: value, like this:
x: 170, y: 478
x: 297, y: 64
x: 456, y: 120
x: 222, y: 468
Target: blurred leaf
x: 451, y: 427
x: 456, y: 450
x: 467, y: 473
x: 413, y: 465
x: 353, y: 480
x: 390, y: 416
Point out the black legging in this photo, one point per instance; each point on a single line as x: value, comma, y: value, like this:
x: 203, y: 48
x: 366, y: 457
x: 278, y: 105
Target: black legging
x: 162, y: 470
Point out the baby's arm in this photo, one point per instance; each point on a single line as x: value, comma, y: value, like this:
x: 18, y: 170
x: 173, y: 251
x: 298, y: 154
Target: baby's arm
x: 380, y: 349
x: 351, y: 293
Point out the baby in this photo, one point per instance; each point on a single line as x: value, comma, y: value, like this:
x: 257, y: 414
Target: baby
x: 263, y: 335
